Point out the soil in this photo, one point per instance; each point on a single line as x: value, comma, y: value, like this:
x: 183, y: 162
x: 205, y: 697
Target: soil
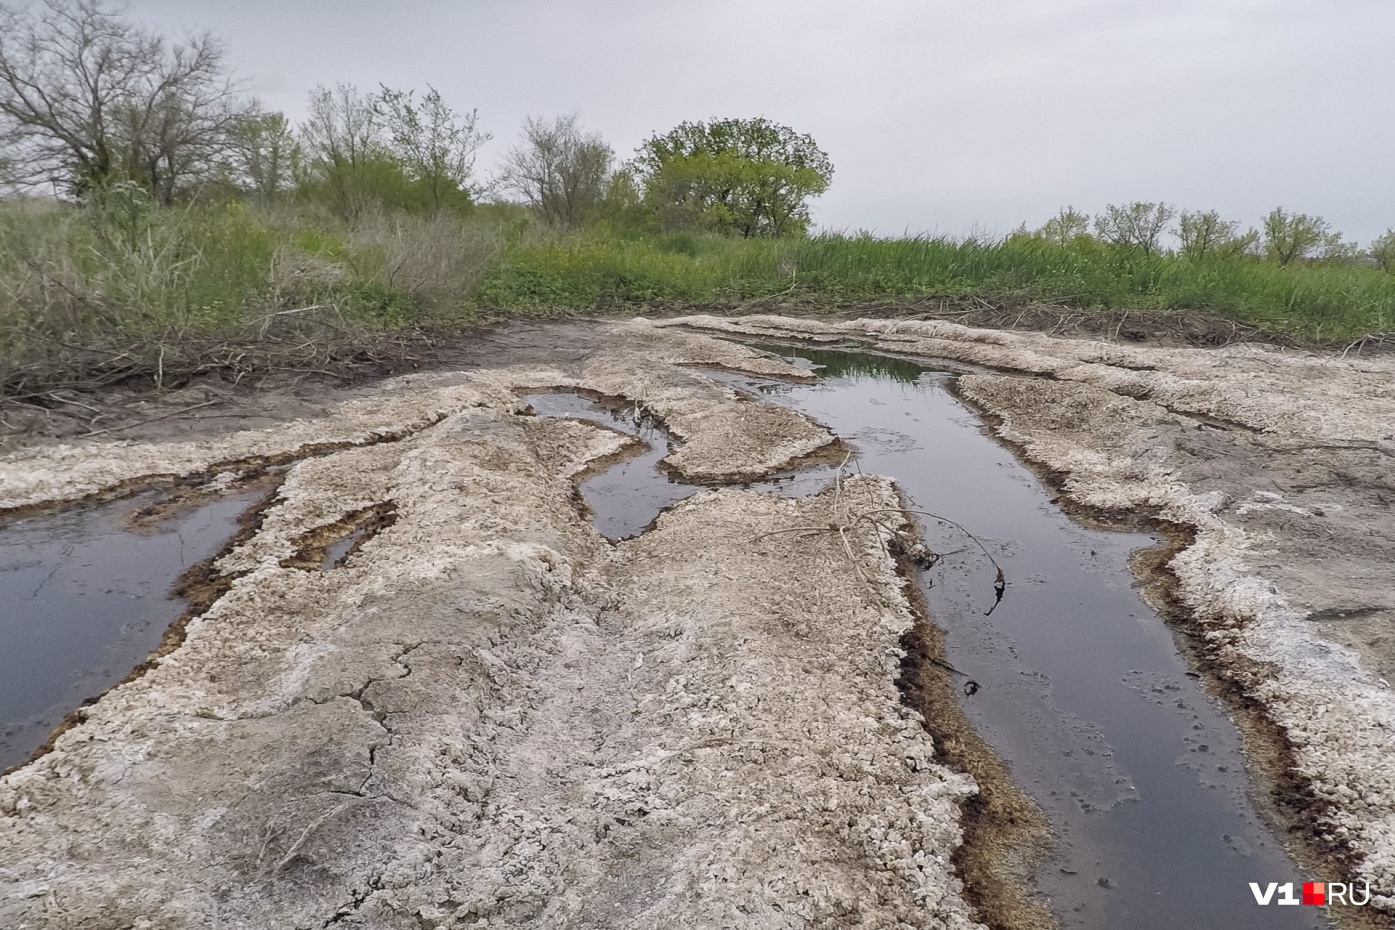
x: 133, y: 405
x: 486, y: 714
x: 221, y: 400
x: 1277, y: 464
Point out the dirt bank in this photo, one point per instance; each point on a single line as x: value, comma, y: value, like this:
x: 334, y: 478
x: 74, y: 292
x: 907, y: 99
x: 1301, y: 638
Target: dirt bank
x: 488, y: 715
x: 1282, y: 465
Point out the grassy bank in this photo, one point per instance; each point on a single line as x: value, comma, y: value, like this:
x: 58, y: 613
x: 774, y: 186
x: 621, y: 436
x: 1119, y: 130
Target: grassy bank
x: 1312, y: 302
x: 122, y: 289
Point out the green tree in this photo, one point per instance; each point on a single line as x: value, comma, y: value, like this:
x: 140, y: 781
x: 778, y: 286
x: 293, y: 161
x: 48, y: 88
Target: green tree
x: 623, y: 204
x: 1138, y: 225
x: 1383, y: 251
x: 1203, y: 234
x: 1065, y: 227
x: 744, y: 177
x: 264, y: 155
x: 344, y: 148
x: 434, y: 145
x: 1292, y: 236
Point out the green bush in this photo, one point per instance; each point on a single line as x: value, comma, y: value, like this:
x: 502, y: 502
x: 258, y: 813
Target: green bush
x: 123, y: 282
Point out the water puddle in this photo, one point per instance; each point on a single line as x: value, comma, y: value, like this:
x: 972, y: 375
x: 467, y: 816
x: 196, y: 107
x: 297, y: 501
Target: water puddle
x: 628, y: 496
x: 87, y: 599
x: 1080, y: 685
x: 337, y: 552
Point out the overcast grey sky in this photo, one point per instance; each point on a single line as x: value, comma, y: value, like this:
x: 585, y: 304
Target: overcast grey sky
x: 941, y: 116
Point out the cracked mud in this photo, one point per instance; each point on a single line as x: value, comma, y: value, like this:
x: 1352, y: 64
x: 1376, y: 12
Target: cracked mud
x: 1276, y: 467
x: 487, y: 715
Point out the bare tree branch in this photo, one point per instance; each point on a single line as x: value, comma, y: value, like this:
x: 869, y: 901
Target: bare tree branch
x: 88, y: 99
x: 559, y: 170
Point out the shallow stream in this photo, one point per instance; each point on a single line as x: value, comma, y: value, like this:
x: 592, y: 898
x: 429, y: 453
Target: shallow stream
x: 1081, y: 687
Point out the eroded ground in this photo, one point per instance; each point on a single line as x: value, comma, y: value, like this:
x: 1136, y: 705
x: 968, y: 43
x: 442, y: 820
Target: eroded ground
x: 489, y: 715
x: 1281, y: 465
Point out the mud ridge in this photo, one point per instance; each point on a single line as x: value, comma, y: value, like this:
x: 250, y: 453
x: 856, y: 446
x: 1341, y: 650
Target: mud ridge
x: 313, y: 546
x: 243, y: 469
x: 830, y: 453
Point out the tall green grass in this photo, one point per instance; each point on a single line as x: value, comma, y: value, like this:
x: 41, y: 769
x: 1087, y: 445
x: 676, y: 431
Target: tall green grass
x: 594, y: 272
x: 121, y: 286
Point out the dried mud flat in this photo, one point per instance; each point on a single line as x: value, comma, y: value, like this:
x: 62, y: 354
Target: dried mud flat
x: 491, y: 716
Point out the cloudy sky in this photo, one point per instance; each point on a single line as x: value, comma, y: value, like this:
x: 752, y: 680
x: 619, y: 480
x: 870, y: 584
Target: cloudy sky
x: 941, y: 116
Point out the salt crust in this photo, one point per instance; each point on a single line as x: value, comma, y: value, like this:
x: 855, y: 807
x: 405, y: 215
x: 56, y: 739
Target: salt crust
x: 492, y: 717
x: 1115, y: 420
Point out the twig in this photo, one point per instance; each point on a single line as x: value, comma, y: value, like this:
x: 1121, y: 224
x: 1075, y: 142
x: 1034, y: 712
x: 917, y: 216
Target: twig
x: 64, y: 400
x: 164, y: 416
x: 958, y: 526
x: 266, y: 320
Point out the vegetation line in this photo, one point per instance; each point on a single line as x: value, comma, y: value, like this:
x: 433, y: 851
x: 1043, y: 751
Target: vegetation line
x: 156, y: 224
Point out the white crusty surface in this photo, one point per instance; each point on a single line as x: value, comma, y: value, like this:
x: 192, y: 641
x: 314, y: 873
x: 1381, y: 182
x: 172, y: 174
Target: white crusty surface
x: 710, y: 419
x: 490, y: 716
x: 1284, y: 464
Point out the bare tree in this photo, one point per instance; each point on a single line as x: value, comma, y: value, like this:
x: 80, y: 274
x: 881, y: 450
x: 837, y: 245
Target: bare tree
x: 1206, y: 235
x: 1292, y: 236
x: 341, y: 137
x: 560, y: 170
x: 87, y: 99
x: 1065, y: 226
x: 433, y: 143
x: 1138, y: 225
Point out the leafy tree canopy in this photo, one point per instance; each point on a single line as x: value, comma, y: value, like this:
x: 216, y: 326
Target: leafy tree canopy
x: 742, y: 177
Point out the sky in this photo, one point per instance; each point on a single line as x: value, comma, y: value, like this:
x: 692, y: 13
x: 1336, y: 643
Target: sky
x: 949, y: 117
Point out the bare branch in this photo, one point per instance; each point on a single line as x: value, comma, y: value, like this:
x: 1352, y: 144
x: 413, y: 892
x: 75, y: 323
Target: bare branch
x: 88, y: 99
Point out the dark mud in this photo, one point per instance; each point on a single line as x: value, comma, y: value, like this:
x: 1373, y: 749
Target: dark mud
x: 331, y: 546
x: 88, y: 595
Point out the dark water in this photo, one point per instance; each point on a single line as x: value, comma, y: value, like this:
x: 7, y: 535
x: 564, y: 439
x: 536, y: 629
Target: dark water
x: 83, y: 601
x: 337, y: 551
x: 628, y: 496
x: 1083, y: 691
